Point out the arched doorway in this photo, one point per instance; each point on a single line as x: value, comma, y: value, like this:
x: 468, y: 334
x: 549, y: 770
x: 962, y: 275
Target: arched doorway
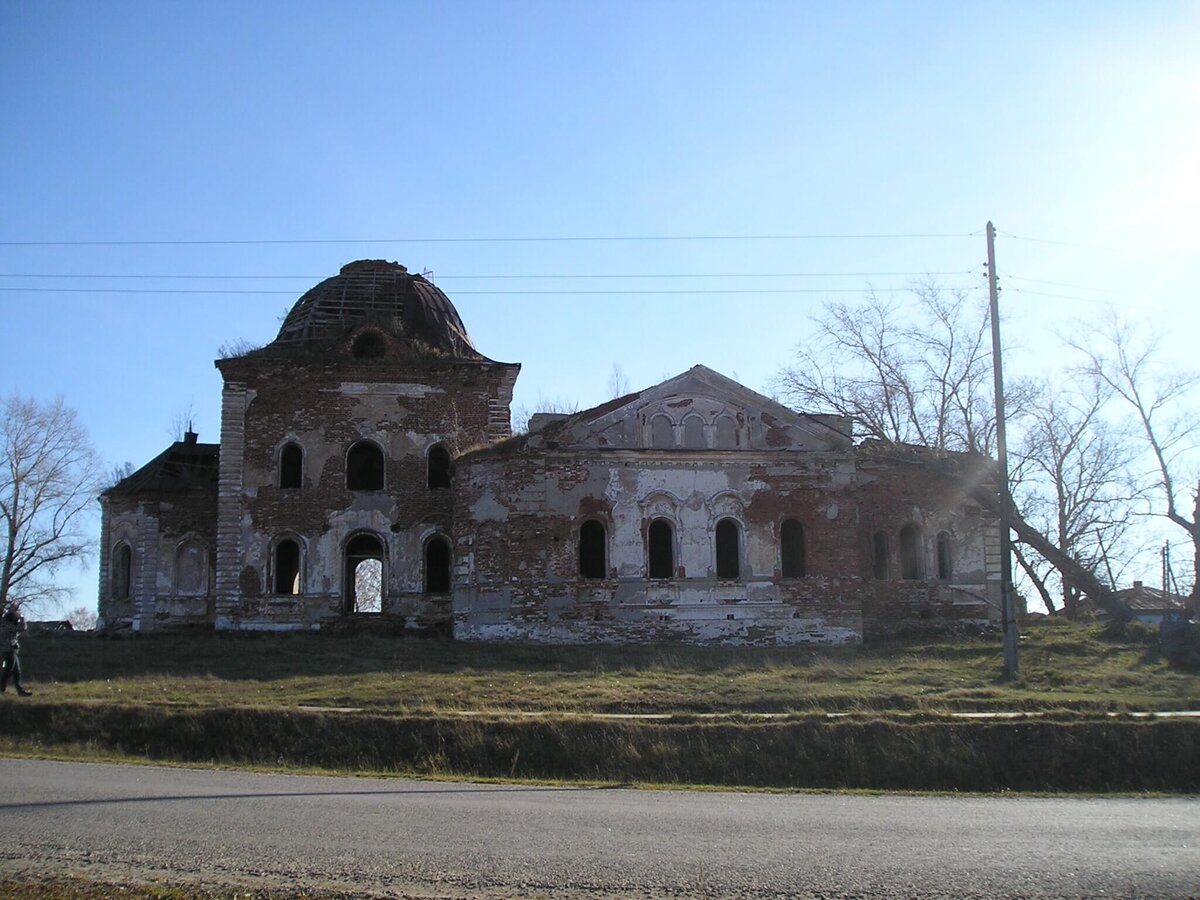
x: 363, y: 592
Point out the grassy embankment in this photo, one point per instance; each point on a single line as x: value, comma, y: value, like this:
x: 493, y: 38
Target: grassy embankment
x: 280, y: 700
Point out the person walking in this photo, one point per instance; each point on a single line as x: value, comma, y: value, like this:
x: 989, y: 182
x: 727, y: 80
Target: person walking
x: 12, y: 623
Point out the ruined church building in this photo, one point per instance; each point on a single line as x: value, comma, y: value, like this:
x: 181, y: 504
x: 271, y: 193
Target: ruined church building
x: 366, y: 472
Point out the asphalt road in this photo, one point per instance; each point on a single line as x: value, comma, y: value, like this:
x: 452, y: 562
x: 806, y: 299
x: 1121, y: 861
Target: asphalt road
x: 410, y: 838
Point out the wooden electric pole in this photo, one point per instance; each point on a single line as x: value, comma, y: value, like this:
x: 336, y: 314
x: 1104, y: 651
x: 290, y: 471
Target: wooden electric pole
x: 1008, y: 613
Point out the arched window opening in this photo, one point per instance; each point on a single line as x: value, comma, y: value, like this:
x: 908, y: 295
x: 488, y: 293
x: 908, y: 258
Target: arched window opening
x: 693, y: 433
x: 910, y: 553
x: 944, y: 561
x: 439, y: 467
x: 792, y: 557
x: 191, y: 563
x: 726, y: 433
x: 291, y: 466
x: 662, y: 432
x: 437, y: 566
x: 369, y: 345
x: 122, y: 570
x: 364, y: 467
x: 660, y: 549
x: 364, y: 575
x: 879, y: 545
x: 592, y: 540
x: 287, y: 567
x: 728, y: 551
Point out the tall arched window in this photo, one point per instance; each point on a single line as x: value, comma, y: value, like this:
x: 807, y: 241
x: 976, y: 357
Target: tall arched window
x: 693, y: 433
x: 660, y: 549
x: 291, y: 466
x: 191, y: 568
x: 364, y: 575
x: 792, y: 557
x: 726, y: 433
x: 437, y: 565
x: 911, y: 567
x: 944, y: 560
x: 364, y: 467
x: 122, y: 571
x: 662, y: 432
x: 438, y: 463
x: 592, y: 540
x: 879, y: 548
x: 729, y: 552
x: 286, y: 578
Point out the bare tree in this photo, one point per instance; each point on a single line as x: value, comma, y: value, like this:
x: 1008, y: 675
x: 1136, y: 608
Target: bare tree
x: 921, y: 373
x: 618, y: 383
x: 1129, y: 361
x: 82, y: 619
x: 905, y: 375
x: 117, y: 474
x: 181, y: 420
x: 1071, y: 480
x: 48, y: 477
x: 522, y: 414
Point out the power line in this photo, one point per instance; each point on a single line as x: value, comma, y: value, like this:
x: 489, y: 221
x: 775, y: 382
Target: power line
x: 719, y: 291
x: 511, y: 276
x: 493, y: 240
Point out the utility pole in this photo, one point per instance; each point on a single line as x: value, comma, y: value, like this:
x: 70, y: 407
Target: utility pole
x: 1008, y: 613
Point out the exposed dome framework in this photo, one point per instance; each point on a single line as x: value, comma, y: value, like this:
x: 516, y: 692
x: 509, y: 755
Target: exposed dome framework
x: 382, y: 292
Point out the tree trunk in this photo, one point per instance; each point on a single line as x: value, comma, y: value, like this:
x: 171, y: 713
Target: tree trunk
x: 1195, y: 599
x: 1066, y: 565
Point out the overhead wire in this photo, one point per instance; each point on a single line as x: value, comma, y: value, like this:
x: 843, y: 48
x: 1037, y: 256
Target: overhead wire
x: 511, y: 276
x: 493, y: 240
x: 721, y: 291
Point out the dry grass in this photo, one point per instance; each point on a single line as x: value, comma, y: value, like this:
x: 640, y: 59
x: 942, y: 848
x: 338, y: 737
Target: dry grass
x: 1063, y: 667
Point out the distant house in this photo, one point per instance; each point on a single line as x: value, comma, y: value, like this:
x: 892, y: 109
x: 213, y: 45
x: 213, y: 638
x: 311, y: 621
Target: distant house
x: 1152, y: 605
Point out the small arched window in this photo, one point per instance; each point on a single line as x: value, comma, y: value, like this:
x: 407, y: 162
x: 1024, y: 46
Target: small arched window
x: 364, y: 467
x: 287, y: 567
x: 729, y: 554
x: 693, y: 433
x: 437, y: 566
x: 662, y: 432
x: 191, y: 565
x: 369, y: 345
x: 911, y: 568
x: 944, y: 560
x: 438, y: 464
x: 793, y: 561
x: 592, y: 540
x: 291, y: 466
x: 726, y: 433
x: 879, y: 548
x: 122, y: 571
x: 660, y: 549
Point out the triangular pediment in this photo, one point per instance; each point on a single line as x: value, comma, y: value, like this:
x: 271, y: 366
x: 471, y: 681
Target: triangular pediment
x: 699, y: 409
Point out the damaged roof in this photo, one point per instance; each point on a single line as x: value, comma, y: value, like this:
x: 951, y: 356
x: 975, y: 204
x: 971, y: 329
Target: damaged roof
x: 184, y: 466
x: 386, y: 294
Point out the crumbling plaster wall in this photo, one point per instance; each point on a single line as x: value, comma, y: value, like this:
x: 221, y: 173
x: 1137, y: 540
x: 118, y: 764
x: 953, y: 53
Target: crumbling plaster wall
x: 156, y: 528
x: 933, y: 493
x: 518, y: 519
x: 405, y: 410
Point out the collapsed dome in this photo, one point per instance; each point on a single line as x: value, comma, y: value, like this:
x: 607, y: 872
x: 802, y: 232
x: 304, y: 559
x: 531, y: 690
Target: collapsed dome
x: 383, y: 293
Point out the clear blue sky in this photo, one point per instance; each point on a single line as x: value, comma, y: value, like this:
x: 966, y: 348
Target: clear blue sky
x: 1075, y: 123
